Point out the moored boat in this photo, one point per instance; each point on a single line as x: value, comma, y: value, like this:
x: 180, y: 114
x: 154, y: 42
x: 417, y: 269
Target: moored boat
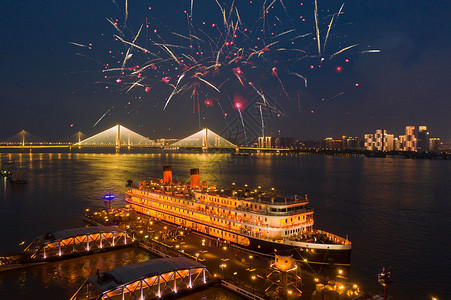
x: 259, y: 220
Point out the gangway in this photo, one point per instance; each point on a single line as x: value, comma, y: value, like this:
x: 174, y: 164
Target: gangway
x: 151, y: 279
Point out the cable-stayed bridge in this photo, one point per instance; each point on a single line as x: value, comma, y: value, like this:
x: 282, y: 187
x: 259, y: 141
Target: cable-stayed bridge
x: 205, y: 139
x: 118, y: 137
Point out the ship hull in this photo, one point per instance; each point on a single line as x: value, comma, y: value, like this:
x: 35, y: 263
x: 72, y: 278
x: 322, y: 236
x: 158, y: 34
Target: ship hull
x: 313, y: 254
x: 310, y: 254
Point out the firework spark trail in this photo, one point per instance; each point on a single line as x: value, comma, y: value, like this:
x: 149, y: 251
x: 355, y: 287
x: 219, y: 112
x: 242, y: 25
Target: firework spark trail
x: 283, y: 33
x: 317, y: 28
x: 100, y: 119
x: 263, y: 123
x: 136, y: 83
x: 126, y: 13
x: 229, y: 53
x: 115, y: 3
x: 134, y: 45
x: 274, y: 72
x: 330, y: 26
x: 258, y: 92
x: 299, y: 102
x: 268, y: 107
x: 242, y: 123
x: 370, y: 51
x: 127, y: 54
x: 301, y: 36
x: 198, y: 112
x: 300, y: 76
x: 208, y: 83
x: 342, y: 50
x: 284, y: 8
x: 333, y: 97
x: 170, y: 97
x: 115, y: 26
x: 224, y: 115
x: 79, y: 45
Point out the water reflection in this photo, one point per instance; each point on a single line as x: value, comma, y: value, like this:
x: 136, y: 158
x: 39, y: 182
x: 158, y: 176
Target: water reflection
x: 396, y: 211
x: 59, y: 280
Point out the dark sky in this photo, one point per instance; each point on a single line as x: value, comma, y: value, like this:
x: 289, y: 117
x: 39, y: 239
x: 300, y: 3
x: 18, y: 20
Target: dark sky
x: 53, y: 89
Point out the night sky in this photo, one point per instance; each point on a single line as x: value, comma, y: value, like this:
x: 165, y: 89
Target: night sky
x: 53, y: 88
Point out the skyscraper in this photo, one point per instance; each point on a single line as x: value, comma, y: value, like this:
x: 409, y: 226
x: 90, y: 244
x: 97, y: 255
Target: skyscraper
x: 435, y: 144
x: 380, y: 140
x: 368, y: 142
x: 391, y: 142
x: 422, y: 139
x: 409, y: 144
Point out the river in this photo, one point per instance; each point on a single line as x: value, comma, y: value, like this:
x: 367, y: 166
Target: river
x: 395, y: 211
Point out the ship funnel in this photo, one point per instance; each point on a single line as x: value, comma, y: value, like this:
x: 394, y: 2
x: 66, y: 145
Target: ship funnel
x: 167, y: 174
x: 195, y: 179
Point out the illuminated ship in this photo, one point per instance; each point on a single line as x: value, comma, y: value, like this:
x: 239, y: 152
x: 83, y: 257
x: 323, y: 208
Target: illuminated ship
x: 259, y: 220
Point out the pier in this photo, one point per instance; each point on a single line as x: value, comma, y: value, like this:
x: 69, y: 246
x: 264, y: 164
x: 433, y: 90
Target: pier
x: 67, y: 244
x: 147, y: 280
x: 241, y: 271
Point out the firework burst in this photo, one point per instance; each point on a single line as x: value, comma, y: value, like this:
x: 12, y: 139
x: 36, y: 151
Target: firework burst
x: 225, y: 54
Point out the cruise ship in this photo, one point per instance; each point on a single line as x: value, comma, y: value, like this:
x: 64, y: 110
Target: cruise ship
x: 259, y: 220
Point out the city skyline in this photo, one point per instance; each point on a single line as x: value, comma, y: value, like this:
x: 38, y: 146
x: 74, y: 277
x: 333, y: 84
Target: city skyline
x: 381, y: 140
x: 47, y: 86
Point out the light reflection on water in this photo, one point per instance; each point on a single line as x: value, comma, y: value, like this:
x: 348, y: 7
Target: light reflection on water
x: 395, y: 211
x: 60, y: 280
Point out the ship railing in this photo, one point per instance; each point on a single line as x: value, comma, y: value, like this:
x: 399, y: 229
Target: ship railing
x: 267, y: 199
x: 229, y: 207
x: 245, y: 221
x: 253, y: 210
x: 333, y: 237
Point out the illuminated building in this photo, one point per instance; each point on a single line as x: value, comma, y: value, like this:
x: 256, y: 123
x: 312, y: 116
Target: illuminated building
x: 391, y: 143
x: 409, y: 142
x: 344, y: 142
x: 368, y: 142
x: 422, y: 139
x: 256, y: 219
x: 380, y: 140
x: 265, y: 142
x: 331, y: 144
x: 352, y: 143
x: 434, y: 144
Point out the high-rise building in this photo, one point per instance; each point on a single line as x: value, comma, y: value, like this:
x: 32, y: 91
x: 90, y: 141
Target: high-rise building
x: 329, y: 143
x: 352, y: 143
x: 422, y: 139
x: 265, y: 142
x: 409, y: 143
x: 391, y: 142
x: 434, y: 144
x: 380, y: 140
x: 368, y: 142
x: 344, y: 142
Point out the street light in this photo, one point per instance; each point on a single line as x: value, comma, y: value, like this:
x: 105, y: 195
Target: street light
x: 223, y: 266
x: 250, y: 263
